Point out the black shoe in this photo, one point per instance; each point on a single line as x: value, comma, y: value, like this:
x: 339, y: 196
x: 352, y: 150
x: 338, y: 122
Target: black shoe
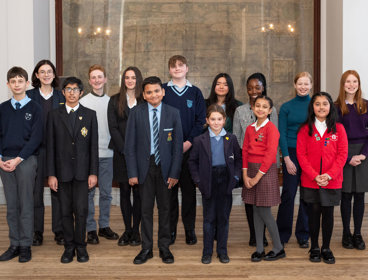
x: 166, y: 256
x: 223, y: 258
x: 82, y: 255
x: 358, y: 242
x: 59, y: 238
x: 172, y: 237
x: 252, y: 241
x: 25, y: 254
x: 271, y: 256
x: 190, y: 237
x: 265, y: 242
x: 108, y: 233
x: 37, y: 238
x: 143, y: 256
x: 124, y: 238
x: 12, y: 252
x: 327, y: 256
x: 135, y: 239
x: 315, y: 255
x: 303, y: 243
x: 206, y: 259
x: 92, y: 237
x: 347, y: 241
x: 257, y: 257
x: 68, y: 255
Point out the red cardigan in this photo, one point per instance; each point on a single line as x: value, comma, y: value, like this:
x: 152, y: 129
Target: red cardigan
x: 261, y: 146
x: 331, y: 148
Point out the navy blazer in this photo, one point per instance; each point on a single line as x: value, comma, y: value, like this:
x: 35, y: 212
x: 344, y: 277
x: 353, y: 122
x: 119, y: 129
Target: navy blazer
x: 58, y: 97
x: 200, y: 162
x: 137, y: 148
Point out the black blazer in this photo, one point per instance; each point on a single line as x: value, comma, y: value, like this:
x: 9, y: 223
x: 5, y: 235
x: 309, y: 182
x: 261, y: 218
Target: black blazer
x: 138, y: 142
x: 200, y: 162
x: 58, y: 97
x: 72, y: 154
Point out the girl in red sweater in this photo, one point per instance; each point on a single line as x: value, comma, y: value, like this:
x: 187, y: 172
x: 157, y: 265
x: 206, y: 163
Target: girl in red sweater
x: 261, y: 186
x: 322, y: 150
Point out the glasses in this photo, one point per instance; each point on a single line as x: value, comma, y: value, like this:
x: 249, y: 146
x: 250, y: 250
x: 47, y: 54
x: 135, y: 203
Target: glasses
x: 49, y: 72
x: 74, y: 90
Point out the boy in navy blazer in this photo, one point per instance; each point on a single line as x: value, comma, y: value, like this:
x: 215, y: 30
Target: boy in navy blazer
x: 153, y: 153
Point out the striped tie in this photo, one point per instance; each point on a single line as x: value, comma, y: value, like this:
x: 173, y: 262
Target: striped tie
x: 156, y: 137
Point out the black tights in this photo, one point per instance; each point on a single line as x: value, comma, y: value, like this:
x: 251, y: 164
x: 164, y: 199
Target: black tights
x: 358, y: 211
x: 127, y: 209
x: 315, y: 210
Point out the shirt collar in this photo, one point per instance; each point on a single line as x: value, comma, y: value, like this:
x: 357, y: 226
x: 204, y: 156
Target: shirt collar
x: 320, y: 124
x: 134, y: 104
x: 212, y: 134
x: 346, y: 102
x: 22, y: 102
x: 262, y: 125
x: 68, y: 108
x: 95, y: 94
x: 170, y: 84
x: 46, y: 96
x: 150, y: 107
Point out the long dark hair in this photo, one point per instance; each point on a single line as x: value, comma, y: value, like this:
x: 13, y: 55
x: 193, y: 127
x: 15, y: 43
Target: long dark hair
x: 122, y: 101
x: 36, y: 83
x: 330, y: 119
x: 260, y: 77
x: 230, y: 101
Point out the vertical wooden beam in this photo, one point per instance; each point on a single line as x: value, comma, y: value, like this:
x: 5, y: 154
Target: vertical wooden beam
x: 317, y: 46
x: 59, y: 36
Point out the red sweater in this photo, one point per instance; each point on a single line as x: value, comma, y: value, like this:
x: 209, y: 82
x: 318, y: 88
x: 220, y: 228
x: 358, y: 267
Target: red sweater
x: 331, y: 149
x: 261, y: 146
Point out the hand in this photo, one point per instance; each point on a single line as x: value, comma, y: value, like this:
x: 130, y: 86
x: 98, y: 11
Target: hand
x: 133, y: 181
x: 246, y: 179
x: 3, y: 166
x: 254, y: 181
x: 53, y: 183
x: 322, y: 180
x: 11, y: 164
x: 356, y: 160
x: 186, y: 146
x: 92, y: 181
x: 171, y: 182
x: 290, y: 166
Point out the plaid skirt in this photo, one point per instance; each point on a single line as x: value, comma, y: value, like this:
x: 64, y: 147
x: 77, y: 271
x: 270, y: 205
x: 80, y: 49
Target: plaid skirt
x: 267, y: 192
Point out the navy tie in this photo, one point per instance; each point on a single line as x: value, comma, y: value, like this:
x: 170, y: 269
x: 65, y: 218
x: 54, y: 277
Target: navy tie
x: 156, y: 137
x: 17, y: 106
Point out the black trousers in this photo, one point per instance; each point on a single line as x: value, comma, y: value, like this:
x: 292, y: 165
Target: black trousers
x: 73, y: 197
x: 128, y: 209
x: 39, y: 207
x: 189, y: 202
x: 155, y: 187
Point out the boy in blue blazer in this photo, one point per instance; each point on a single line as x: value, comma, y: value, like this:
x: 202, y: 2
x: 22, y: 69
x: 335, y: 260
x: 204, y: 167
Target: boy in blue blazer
x: 153, y: 153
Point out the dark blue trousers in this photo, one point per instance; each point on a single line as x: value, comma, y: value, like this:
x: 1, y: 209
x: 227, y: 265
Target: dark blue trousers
x: 216, y: 213
x: 286, y: 208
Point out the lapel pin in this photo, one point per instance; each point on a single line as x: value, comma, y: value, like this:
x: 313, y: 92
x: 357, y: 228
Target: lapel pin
x: 80, y: 118
x: 227, y: 138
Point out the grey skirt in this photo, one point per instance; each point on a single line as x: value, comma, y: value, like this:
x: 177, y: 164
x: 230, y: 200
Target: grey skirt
x: 355, y: 177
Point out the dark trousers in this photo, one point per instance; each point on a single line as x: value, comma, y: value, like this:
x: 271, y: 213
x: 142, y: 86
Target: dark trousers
x: 315, y: 211
x: 216, y: 213
x: 128, y: 209
x: 285, y: 213
x: 73, y: 198
x: 155, y: 187
x: 18, y: 189
x: 39, y: 207
x: 358, y: 211
x: 188, y: 202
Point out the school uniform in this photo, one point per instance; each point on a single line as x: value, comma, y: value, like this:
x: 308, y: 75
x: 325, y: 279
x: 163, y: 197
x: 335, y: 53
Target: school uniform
x: 20, y: 136
x: 215, y: 166
x: 72, y: 155
x: 153, y: 166
x: 47, y: 103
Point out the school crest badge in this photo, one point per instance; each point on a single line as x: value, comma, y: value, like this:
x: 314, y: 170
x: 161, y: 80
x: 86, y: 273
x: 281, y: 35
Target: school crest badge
x: 84, y: 131
x: 169, y: 137
x: 334, y: 137
x: 28, y: 116
x: 189, y: 103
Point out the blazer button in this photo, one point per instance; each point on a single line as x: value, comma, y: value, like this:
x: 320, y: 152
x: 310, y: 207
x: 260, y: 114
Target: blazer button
x: 73, y: 157
x: 72, y: 143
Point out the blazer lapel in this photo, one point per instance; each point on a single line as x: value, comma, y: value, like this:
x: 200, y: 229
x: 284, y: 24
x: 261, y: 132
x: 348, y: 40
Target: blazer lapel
x: 226, y: 147
x: 207, y: 145
x: 79, y: 120
x: 146, y: 123
x: 162, y: 122
x: 65, y: 119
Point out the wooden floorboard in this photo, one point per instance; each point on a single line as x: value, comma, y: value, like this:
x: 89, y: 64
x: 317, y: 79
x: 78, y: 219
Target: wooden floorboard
x: 109, y: 261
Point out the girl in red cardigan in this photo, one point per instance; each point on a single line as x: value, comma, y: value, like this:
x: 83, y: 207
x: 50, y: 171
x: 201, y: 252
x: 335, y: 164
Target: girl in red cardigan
x: 322, y: 150
x: 261, y: 186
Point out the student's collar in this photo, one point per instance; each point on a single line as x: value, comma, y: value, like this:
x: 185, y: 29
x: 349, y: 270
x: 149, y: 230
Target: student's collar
x: 262, y: 125
x: 134, y: 104
x: 22, y: 102
x: 150, y: 107
x: 212, y: 134
x: 171, y: 83
x: 318, y: 123
x: 46, y: 96
x: 68, y: 108
x: 95, y: 94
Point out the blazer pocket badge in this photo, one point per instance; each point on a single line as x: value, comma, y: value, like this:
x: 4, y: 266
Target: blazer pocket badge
x: 169, y: 136
x: 189, y: 103
x: 84, y: 131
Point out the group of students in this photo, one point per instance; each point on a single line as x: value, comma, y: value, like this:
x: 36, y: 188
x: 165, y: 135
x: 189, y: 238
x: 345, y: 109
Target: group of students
x: 152, y: 138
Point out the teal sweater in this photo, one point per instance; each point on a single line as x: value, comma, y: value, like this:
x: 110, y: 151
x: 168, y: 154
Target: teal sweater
x: 292, y: 114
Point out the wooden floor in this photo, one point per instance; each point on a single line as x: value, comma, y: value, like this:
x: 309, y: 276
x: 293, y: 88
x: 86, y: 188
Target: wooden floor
x: 109, y: 261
